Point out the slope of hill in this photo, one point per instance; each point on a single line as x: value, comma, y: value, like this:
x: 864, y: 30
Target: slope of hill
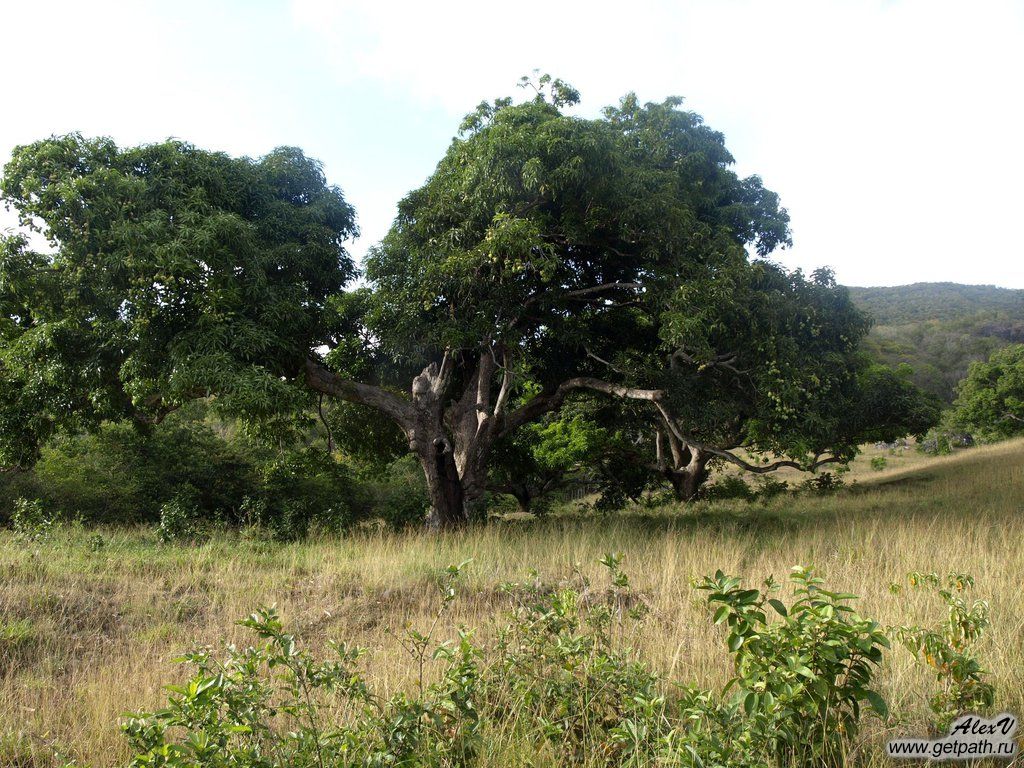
x: 939, y: 329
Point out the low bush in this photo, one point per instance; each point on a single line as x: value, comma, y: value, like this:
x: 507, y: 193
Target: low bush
x: 560, y: 676
x: 950, y: 649
x: 30, y: 520
x: 729, y: 487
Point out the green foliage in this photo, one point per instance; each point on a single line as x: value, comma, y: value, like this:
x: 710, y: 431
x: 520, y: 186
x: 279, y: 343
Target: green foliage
x: 990, y: 401
x: 269, y: 706
x: 950, y: 649
x: 769, y: 487
x: 209, y: 472
x: 936, y: 443
x: 824, y: 484
x: 902, y: 304
x: 800, y: 681
x: 561, y: 674
x: 304, y: 487
x: 557, y: 663
x: 121, y: 474
x: 30, y: 519
x: 878, y: 463
x: 939, y: 329
x: 729, y: 487
x: 540, y: 235
x: 395, y: 493
x: 176, y: 273
x: 181, y: 518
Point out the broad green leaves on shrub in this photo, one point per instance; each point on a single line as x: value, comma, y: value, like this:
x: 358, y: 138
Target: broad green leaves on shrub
x: 562, y: 675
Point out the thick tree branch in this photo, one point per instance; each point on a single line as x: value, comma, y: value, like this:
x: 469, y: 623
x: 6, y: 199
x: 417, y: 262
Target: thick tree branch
x: 589, y: 291
x: 552, y: 401
x: 320, y: 379
x: 757, y: 469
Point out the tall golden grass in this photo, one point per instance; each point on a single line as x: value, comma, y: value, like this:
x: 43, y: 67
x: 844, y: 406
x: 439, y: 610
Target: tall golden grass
x: 88, y: 633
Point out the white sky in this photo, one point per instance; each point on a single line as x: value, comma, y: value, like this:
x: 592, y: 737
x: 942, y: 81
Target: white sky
x: 892, y: 130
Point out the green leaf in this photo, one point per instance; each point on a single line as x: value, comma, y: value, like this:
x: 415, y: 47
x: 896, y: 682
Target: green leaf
x: 877, y: 703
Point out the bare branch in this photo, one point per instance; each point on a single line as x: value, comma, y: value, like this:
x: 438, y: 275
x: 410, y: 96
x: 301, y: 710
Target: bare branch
x: 757, y: 469
x: 579, y: 292
x: 320, y: 379
x: 552, y: 401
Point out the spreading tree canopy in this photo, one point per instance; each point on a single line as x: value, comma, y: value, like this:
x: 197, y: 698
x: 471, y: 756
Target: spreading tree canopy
x: 172, y: 273
x: 545, y: 256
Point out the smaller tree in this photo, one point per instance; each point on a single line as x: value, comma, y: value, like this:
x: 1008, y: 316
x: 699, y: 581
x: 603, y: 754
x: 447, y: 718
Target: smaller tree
x: 990, y: 400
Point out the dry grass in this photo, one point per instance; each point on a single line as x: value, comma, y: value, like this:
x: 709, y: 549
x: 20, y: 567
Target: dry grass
x: 88, y: 635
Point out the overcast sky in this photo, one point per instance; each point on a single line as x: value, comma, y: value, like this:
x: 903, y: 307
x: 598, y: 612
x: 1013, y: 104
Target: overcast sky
x: 892, y: 130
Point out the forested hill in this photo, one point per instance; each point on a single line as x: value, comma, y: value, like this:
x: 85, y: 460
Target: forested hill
x: 939, y: 329
x: 899, y: 304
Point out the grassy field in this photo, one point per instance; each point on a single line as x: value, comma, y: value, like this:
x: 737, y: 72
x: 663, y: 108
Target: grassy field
x: 89, y: 631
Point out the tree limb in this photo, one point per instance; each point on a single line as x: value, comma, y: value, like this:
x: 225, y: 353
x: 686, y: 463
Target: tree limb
x: 552, y: 401
x: 320, y: 379
x: 757, y: 469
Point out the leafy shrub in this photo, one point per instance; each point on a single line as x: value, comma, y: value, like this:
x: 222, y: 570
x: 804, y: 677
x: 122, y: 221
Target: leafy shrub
x: 729, y: 487
x: 397, y: 495
x: 878, y: 463
x: 123, y: 475
x: 800, y: 681
x: 561, y: 672
x: 181, y: 518
x: 269, y: 705
x: 769, y: 487
x: 936, y: 443
x: 30, y: 519
x: 556, y: 663
x: 950, y: 648
x: 824, y: 484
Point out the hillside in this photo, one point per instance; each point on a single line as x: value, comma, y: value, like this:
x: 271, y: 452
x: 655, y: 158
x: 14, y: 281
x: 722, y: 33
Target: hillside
x: 902, y: 304
x: 939, y: 329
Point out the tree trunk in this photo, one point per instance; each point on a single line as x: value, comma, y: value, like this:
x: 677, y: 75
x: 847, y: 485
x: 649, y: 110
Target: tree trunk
x: 523, y: 498
x: 688, y: 473
x: 444, y: 486
x: 453, y: 436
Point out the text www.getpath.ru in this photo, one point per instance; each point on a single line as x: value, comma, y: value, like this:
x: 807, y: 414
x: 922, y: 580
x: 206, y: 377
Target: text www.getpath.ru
x: 951, y: 750
x: 969, y: 737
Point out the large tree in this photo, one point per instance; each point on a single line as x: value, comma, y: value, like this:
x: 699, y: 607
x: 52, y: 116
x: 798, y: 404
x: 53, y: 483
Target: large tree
x: 172, y: 273
x: 542, y: 245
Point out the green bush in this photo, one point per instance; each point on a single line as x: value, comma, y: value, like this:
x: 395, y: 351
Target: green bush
x: 729, y: 487
x: 824, y: 484
x: 304, y: 489
x: 950, y: 649
x: 181, y: 518
x: 800, y: 681
x: 936, y: 443
x: 768, y: 488
x: 562, y: 672
x: 397, y: 494
x: 878, y: 463
x: 124, y: 475
x: 30, y: 520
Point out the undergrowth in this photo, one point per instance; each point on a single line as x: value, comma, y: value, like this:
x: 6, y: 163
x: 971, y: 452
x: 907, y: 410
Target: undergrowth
x: 562, y: 675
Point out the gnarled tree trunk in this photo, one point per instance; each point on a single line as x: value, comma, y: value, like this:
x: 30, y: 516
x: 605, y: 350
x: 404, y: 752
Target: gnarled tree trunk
x: 452, y: 436
x: 685, y: 467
